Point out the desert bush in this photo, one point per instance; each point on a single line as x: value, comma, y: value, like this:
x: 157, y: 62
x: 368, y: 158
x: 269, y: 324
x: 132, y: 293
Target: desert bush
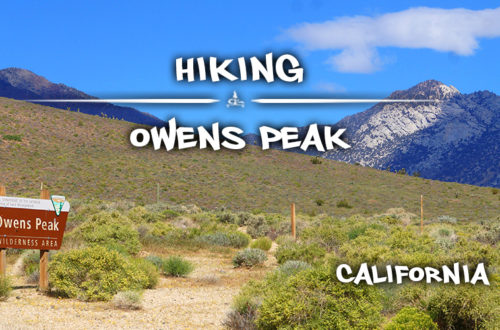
x: 244, y: 217
x: 150, y: 270
x: 177, y: 266
x: 227, y: 217
x: 313, y: 300
x: 5, y: 287
x: 137, y: 214
x: 292, y: 267
x: 249, y: 257
x: 344, y: 203
x: 263, y: 243
x: 94, y: 273
x: 316, y: 160
x: 463, y: 307
x: 411, y: 318
x: 319, y: 202
x: 233, y: 239
x: 310, y: 253
x: 446, y: 219
x: 127, y: 300
x: 257, y: 226
x: 155, y: 260
x: 31, y: 262
x: 12, y: 137
x: 112, y: 230
x: 241, y: 320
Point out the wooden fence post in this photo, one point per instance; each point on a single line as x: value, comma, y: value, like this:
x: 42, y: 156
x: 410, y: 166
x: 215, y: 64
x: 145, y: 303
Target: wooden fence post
x: 44, y: 255
x: 293, y: 221
x: 421, y: 214
x: 3, y: 251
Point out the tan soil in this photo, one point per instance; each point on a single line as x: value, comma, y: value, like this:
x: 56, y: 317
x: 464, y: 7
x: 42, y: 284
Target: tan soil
x: 199, y: 301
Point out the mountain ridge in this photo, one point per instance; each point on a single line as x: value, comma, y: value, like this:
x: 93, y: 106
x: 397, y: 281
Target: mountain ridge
x: 22, y: 84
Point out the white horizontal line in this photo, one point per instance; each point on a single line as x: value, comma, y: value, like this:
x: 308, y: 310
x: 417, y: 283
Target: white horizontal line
x: 318, y: 101
x: 152, y: 101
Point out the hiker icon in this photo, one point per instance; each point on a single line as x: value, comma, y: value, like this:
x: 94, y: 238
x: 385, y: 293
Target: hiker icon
x: 235, y: 101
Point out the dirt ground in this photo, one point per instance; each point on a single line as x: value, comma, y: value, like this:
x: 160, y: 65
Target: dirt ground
x: 199, y: 301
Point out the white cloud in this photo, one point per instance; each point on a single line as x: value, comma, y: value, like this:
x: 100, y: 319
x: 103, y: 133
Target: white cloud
x: 358, y: 37
x: 330, y: 87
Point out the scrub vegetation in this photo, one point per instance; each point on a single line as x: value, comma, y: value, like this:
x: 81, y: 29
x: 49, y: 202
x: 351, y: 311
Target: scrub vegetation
x: 121, y: 244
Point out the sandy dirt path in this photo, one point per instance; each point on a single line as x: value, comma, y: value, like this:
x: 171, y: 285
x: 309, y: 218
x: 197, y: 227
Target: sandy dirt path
x: 199, y: 301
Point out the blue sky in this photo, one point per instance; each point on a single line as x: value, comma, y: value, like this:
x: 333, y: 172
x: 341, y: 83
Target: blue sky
x: 128, y: 48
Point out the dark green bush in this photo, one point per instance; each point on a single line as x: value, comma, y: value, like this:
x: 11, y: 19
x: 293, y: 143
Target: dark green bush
x: 8, y: 137
x: 112, y: 230
x: 411, y: 318
x: 249, y: 257
x: 344, y: 203
x: 310, y: 253
x: 95, y: 273
x: 177, y: 266
x: 263, y: 243
x: 314, y: 300
x: 5, y: 287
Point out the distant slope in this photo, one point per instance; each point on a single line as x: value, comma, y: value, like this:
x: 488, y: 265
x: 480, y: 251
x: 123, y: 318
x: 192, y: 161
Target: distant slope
x: 22, y: 84
x: 455, y: 139
x: 82, y: 156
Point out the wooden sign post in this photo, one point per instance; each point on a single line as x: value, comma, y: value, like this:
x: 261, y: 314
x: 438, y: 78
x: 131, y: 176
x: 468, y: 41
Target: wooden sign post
x: 39, y: 224
x: 44, y: 255
x: 3, y: 251
x: 293, y: 221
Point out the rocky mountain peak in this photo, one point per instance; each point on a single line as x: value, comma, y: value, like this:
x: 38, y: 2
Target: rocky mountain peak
x: 429, y: 89
x: 24, y: 79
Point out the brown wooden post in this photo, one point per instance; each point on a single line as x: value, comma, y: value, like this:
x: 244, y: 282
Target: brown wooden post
x: 3, y: 252
x: 293, y: 221
x: 44, y: 255
x: 421, y: 214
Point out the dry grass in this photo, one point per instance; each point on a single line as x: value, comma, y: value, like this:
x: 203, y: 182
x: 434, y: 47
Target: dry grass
x: 83, y: 156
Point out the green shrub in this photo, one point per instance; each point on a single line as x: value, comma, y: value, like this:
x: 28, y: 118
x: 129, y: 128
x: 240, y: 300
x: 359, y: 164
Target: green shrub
x: 9, y: 137
x: 226, y: 217
x: 155, y: 260
x: 292, y: 267
x: 31, y: 262
x: 249, y: 257
x: 257, y: 226
x: 446, y: 219
x: 112, y: 230
x: 177, y: 266
x: 137, y: 214
x: 344, y: 203
x: 316, y: 160
x: 263, y: 243
x: 128, y: 300
x: 5, y: 287
x: 234, y: 239
x: 464, y: 306
x: 95, y: 273
x: 149, y: 269
x: 311, y: 253
x: 312, y: 299
x: 411, y: 318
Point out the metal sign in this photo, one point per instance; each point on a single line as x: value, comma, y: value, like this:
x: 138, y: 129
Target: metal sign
x: 27, y: 223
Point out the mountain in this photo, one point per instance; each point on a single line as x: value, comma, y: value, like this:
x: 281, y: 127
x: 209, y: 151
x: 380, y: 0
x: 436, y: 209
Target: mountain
x: 86, y: 157
x: 453, y: 139
x: 22, y: 84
